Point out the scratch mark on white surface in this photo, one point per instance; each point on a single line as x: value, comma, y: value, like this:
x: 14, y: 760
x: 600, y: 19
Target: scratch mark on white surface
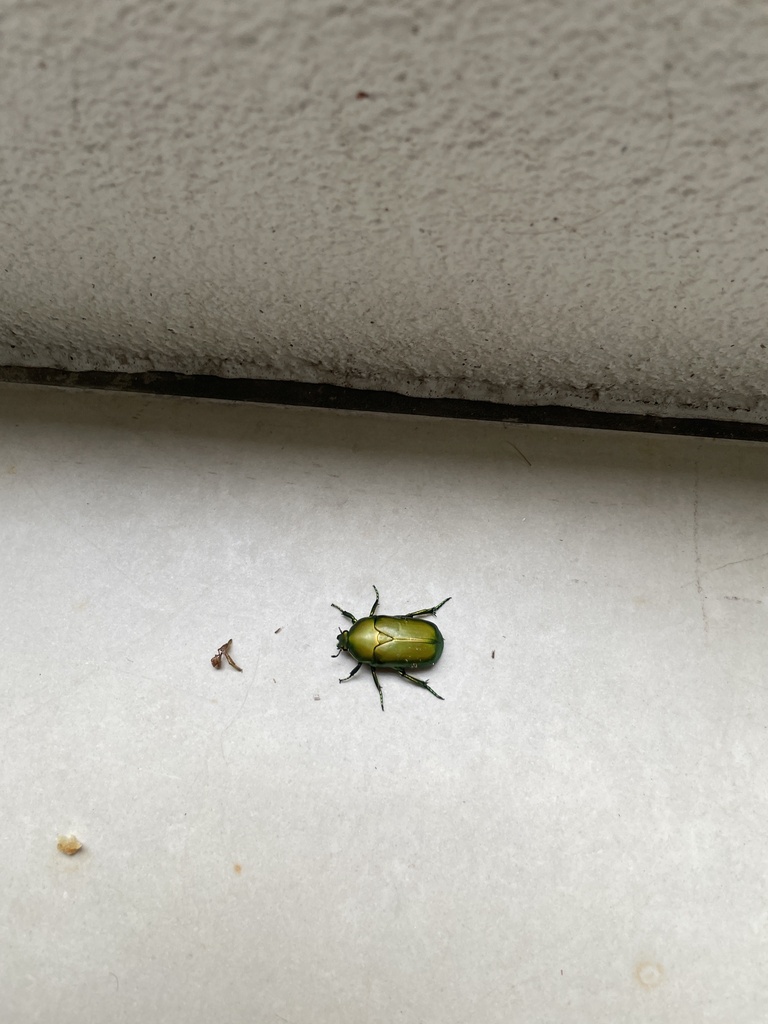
x: 523, y: 457
x: 739, y: 561
x: 707, y: 572
x: 161, y: 775
x: 232, y: 721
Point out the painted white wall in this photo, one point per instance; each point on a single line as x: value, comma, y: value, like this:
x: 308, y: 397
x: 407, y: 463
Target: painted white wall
x: 535, y: 201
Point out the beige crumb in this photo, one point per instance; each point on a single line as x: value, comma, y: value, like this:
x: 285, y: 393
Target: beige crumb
x: 69, y: 845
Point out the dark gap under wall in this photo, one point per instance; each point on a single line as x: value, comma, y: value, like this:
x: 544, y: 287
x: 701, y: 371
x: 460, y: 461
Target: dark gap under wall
x: 328, y: 396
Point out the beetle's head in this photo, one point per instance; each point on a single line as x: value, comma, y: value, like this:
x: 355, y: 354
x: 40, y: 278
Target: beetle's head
x: 342, y: 640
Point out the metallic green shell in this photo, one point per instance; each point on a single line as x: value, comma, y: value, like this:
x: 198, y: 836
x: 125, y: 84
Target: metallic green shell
x: 395, y: 643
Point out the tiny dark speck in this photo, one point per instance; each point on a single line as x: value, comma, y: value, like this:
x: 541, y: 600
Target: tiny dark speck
x: 362, y: 95
x: 493, y: 654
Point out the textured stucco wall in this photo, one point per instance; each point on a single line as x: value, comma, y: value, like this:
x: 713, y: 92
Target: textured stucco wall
x: 541, y: 201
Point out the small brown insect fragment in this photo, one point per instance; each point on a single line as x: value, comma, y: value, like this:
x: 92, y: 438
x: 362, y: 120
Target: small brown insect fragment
x: 279, y: 630
x: 223, y: 651
x: 69, y: 845
x: 361, y: 95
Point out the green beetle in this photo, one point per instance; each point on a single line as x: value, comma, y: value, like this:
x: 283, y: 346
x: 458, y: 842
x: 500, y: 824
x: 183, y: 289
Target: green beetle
x: 392, y: 641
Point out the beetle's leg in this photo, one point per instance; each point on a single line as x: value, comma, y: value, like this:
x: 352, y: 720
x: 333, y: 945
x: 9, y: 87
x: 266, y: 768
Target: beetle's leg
x: 424, y: 611
x: 378, y: 685
x: 419, y: 682
x: 375, y: 603
x: 349, y: 615
x: 356, y: 669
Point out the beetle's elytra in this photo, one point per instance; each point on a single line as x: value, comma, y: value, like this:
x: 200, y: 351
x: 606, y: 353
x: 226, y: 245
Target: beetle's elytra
x: 398, y: 642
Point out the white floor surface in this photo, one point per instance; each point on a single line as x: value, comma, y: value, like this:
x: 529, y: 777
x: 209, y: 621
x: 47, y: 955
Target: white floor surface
x: 577, y: 833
